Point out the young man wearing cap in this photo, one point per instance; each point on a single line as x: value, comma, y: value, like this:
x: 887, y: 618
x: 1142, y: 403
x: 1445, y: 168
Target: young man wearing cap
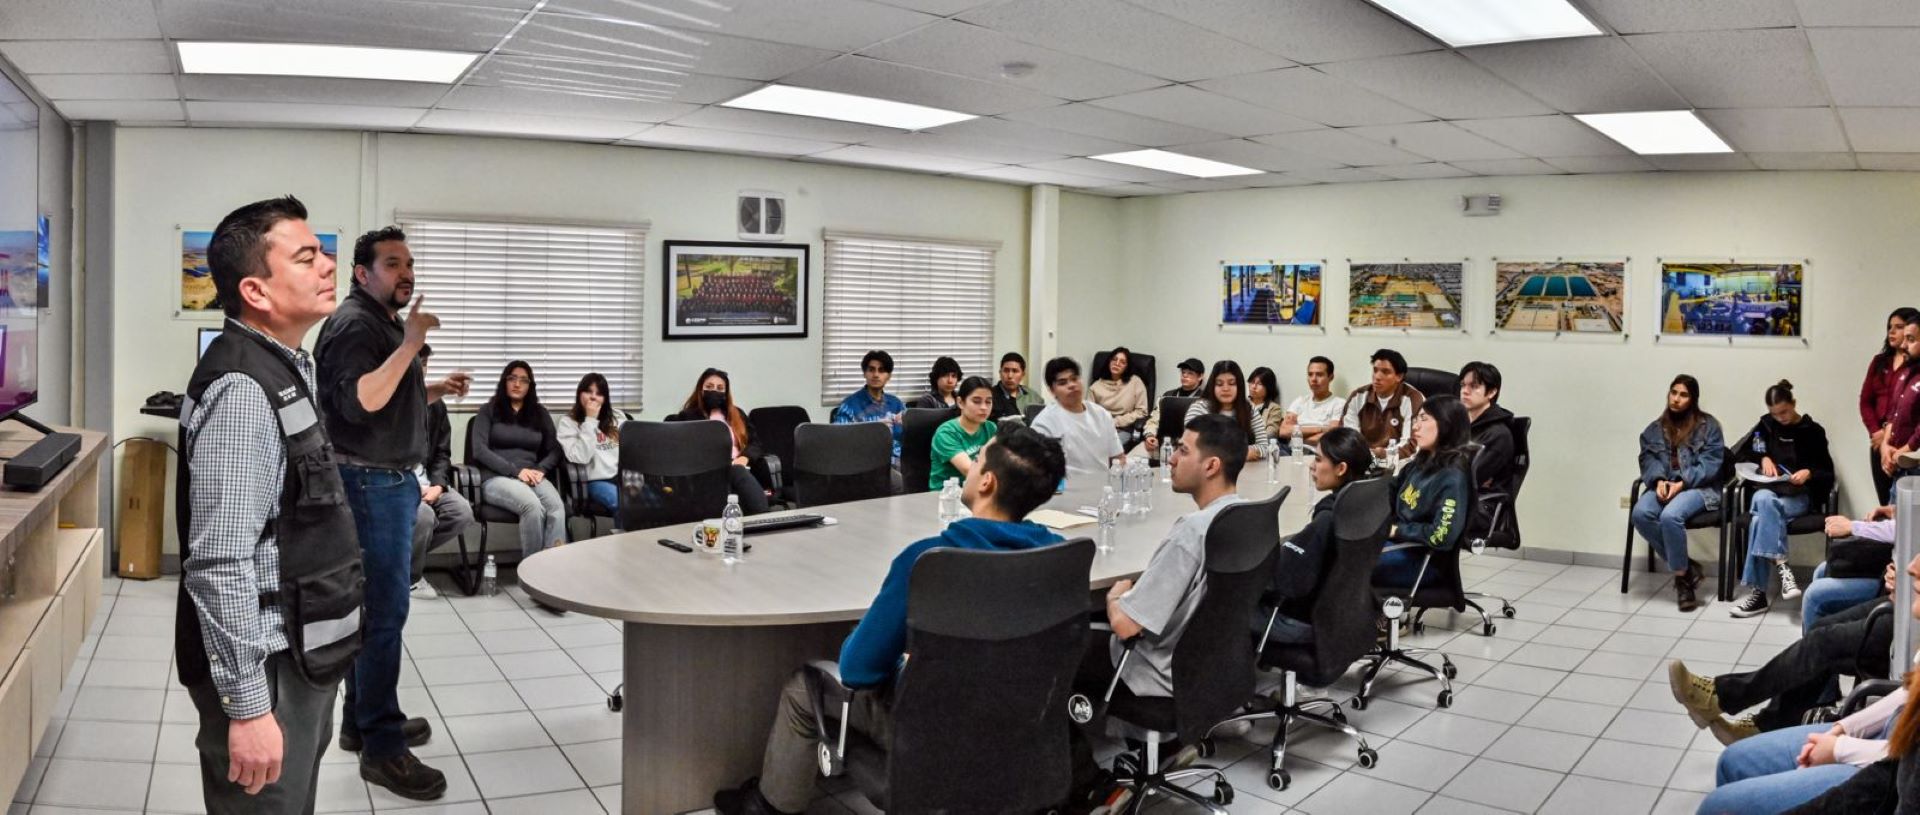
x: 1191, y: 372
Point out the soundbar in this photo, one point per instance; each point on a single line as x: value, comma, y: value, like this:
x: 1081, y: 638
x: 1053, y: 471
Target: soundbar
x: 38, y: 464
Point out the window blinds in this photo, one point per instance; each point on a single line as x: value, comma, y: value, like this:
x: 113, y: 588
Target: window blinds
x: 564, y: 298
x: 914, y: 298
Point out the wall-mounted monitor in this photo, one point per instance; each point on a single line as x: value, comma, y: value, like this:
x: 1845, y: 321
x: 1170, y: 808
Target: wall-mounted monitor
x: 206, y: 339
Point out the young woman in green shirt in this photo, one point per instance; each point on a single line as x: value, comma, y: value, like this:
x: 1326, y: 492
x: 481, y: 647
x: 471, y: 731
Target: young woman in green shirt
x: 957, y: 442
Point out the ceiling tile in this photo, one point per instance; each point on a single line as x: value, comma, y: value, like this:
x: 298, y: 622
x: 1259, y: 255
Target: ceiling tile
x: 1107, y: 169
x: 1088, y: 120
x: 556, y: 103
x: 1258, y: 156
x: 106, y: 86
x: 1341, y: 146
x: 133, y: 111
x: 1238, y: 182
x: 780, y: 124
x: 1029, y: 175
x: 304, y: 114
x: 614, y: 44
x: 1804, y: 161
x: 1428, y: 170
x: 1779, y: 130
x: 1305, y: 31
x: 1191, y: 106
x: 1276, y: 181
x: 905, y: 83
x: 1882, y: 130
x: 1909, y: 162
x: 967, y: 147
x: 311, y: 89
x: 1435, y: 140
x: 1602, y: 164
x: 1712, y: 162
x: 517, y: 124
x: 700, y: 89
x: 1344, y: 175
x: 89, y: 56
x: 943, y: 8
x: 1869, y: 67
x: 1590, y: 75
x: 1508, y: 166
x: 1440, y: 83
x: 899, y: 160
x: 453, y: 27
x: 728, y: 141
x: 625, y: 80
x: 1125, y: 35
x: 981, y: 53
x: 837, y: 25
x: 1641, y: 16
x: 1735, y: 69
x: 1859, y: 12
x: 1310, y: 94
x: 1021, y: 134
x: 79, y: 19
x: 1555, y: 135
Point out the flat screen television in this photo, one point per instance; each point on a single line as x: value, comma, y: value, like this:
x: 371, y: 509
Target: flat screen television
x: 21, y: 253
x: 206, y: 339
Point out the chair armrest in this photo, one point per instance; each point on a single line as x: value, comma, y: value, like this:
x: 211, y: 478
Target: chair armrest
x: 1864, y: 693
x: 577, y: 485
x: 774, y: 472
x: 1873, y: 618
x: 1415, y: 588
x: 1126, y: 653
x: 824, y: 688
x: 466, y: 481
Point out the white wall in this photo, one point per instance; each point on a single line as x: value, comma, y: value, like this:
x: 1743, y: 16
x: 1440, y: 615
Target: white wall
x: 166, y: 177
x: 1589, y: 399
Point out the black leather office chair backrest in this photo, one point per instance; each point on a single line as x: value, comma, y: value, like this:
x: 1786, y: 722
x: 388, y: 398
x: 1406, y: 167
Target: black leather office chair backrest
x: 673, y: 472
x: 1173, y: 416
x: 1031, y: 411
x: 916, y: 445
x: 1142, y: 365
x: 1343, y: 610
x: 836, y: 463
x: 1213, y: 663
x: 995, y: 639
x: 1433, y: 381
x: 773, y: 427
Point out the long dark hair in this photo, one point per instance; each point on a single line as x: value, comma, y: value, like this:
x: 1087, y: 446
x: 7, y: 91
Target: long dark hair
x: 1268, y: 382
x: 1242, y: 408
x: 502, y: 405
x: 1905, y: 314
x: 579, y: 413
x: 1677, y: 431
x: 1126, y: 374
x: 1344, y: 445
x: 736, y: 421
x: 1453, y: 432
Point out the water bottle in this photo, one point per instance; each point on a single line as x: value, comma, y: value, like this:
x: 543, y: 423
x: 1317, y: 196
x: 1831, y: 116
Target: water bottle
x: 949, y: 502
x: 1299, y: 445
x: 1393, y: 458
x: 1140, y: 484
x: 1166, y: 456
x: 1271, y: 452
x: 1109, y: 514
x: 490, y: 578
x: 1146, y: 490
x: 733, y: 531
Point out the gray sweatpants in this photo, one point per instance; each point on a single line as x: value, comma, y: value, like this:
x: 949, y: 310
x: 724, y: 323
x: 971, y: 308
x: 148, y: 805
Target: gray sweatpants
x: 789, y: 772
x: 435, y: 524
x: 305, y: 715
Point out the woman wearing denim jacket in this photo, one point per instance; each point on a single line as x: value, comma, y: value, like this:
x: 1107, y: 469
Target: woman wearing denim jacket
x: 1681, y: 454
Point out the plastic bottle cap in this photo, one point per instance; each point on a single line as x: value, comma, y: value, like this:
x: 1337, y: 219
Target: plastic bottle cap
x: 732, y: 498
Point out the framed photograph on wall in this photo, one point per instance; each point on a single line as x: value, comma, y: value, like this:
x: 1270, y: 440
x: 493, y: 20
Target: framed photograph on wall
x: 198, y: 300
x: 1555, y: 296
x: 19, y: 267
x: 1729, y: 298
x: 725, y: 290
x: 1408, y: 295
x: 1270, y: 293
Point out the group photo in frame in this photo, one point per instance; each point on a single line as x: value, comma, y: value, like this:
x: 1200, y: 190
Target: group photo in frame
x: 724, y: 290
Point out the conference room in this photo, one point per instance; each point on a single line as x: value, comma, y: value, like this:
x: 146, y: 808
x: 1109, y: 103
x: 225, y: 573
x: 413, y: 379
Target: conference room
x: 957, y: 405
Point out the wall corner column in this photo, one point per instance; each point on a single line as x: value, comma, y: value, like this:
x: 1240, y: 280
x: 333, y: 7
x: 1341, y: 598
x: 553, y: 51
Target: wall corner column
x: 1043, y: 275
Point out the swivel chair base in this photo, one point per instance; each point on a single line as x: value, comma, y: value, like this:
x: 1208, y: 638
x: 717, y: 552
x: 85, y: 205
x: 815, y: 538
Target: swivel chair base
x: 1487, y: 626
x: 1291, y: 708
x: 1393, y: 652
x: 1143, y: 774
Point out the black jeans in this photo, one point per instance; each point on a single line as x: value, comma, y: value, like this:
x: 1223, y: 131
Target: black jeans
x: 1796, y: 679
x: 305, y: 716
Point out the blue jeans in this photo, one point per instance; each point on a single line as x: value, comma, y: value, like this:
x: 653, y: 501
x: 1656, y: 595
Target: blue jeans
x: 605, y: 493
x: 1758, y: 774
x: 1664, y: 526
x: 1400, y: 567
x: 1767, y: 535
x: 384, y: 503
x: 1826, y: 595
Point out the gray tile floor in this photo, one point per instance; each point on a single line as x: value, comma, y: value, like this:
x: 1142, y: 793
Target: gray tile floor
x: 1564, y: 709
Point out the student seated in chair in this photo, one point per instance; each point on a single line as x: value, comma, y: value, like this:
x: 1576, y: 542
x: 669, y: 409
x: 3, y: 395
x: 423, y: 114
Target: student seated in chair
x: 1085, y: 429
x: 872, y: 403
x: 1383, y: 411
x: 712, y: 400
x: 1489, y: 425
x: 1315, y: 412
x: 1301, y: 566
x: 1430, y: 494
x: 1788, y: 444
x: 1856, y: 552
x: 957, y: 441
x: 590, y: 437
x: 1017, y: 473
x: 1013, y: 397
x: 1680, y: 457
x: 1192, y: 371
x: 942, y: 380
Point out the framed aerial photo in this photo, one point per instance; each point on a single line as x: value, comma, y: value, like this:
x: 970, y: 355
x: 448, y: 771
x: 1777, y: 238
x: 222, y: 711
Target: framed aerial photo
x: 719, y: 290
x: 1731, y: 298
x: 1408, y: 295
x: 1573, y: 296
x: 1269, y: 293
x: 198, y: 300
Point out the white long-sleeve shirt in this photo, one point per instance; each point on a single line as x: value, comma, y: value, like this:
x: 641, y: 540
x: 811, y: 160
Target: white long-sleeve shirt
x: 1865, y: 739
x: 583, y: 443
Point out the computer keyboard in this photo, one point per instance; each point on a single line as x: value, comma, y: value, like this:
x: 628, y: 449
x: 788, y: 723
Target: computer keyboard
x: 771, y: 523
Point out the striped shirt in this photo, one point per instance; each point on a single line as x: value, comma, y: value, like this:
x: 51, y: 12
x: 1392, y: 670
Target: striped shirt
x: 236, y: 467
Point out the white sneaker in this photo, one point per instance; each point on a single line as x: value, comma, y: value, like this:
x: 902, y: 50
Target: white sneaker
x: 1789, y: 587
x: 422, y: 590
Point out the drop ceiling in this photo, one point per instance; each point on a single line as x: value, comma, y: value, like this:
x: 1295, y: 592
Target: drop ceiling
x: 1307, y: 91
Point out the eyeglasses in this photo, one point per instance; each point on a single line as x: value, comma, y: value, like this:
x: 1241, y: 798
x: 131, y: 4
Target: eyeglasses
x: 517, y: 379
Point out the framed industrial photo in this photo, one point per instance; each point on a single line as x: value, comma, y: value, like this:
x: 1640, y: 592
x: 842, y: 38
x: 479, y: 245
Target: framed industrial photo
x: 198, y: 300
x: 1731, y: 298
x: 720, y: 290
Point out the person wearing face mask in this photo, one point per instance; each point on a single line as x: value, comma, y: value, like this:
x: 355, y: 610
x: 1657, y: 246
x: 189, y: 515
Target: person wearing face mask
x: 712, y: 399
x: 957, y: 442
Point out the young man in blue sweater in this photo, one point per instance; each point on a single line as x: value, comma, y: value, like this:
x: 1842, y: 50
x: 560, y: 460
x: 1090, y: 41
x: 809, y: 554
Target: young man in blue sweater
x: 1017, y: 473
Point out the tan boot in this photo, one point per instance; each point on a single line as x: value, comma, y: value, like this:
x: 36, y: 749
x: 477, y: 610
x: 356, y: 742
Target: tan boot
x: 1729, y: 732
x: 1695, y: 693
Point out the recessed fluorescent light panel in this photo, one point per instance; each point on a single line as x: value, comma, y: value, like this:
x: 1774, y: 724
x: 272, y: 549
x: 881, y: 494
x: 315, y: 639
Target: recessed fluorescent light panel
x: 339, y: 61
x: 846, y: 107
x: 1657, y: 132
x: 1461, y: 23
x: 1177, y: 163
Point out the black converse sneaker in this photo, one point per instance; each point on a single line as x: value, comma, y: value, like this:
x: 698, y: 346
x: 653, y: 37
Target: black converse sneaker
x: 1754, y: 604
x: 1789, y: 587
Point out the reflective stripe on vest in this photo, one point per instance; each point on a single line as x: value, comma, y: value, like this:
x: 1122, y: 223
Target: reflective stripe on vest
x: 322, y: 633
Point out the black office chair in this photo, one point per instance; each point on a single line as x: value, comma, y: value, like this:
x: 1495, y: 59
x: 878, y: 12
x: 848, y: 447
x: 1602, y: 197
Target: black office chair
x: 1001, y: 676
x: 836, y: 463
x: 673, y: 472
x: 1715, y: 519
x: 1173, y: 416
x: 467, y: 478
x: 1433, y: 382
x: 1495, y: 522
x: 1343, y: 630
x: 916, y: 445
x: 571, y: 478
x: 1437, y: 585
x: 1031, y: 411
x: 773, y: 426
x: 1212, y: 664
x: 1142, y: 365
x: 1734, y: 544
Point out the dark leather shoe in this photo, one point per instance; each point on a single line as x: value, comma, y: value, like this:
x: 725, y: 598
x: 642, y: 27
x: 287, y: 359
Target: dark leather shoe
x: 405, y: 776
x: 744, y: 800
x: 415, y: 730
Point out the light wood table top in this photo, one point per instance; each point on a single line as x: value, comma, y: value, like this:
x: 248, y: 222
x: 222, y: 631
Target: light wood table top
x: 825, y: 574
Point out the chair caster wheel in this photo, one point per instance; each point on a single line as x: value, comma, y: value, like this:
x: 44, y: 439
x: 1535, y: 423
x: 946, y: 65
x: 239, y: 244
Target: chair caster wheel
x: 1124, y: 766
x: 1368, y: 758
x: 1359, y: 703
x: 1206, y: 748
x: 1279, y: 780
x: 1445, y: 700
x: 1507, y: 611
x: 1339, y: 715
x: 1487, y: 630
x: 1222, y: 794
x: 1449, y: 670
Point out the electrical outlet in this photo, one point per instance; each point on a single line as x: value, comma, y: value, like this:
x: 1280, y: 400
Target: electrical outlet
x: 1625, y: 503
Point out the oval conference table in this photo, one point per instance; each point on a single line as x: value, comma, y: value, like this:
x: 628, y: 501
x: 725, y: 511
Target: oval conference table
x: 708, y: 646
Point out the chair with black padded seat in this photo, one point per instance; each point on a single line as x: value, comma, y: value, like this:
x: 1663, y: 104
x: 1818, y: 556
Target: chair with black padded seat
x: 1715, y: 519
x: 1496, y: 524
x: 467, y: 478
x: 1734, y: 544
x: 837, y: 463
x: 916, y: 445
x: 999, y: 677
x: 1436, y: 586
x: 1212, y: 664
x: 673, y: 472
x: 1173, y: 416
x: 773, y: 426
x: 571, y: 478
x: 1431, y: 382
x: 1142, y: 365
x: 1031, y: 411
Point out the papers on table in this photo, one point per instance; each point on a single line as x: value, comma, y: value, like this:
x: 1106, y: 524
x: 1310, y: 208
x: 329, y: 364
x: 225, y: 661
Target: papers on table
x: 1055, y: 519
x: 1749, y: 471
